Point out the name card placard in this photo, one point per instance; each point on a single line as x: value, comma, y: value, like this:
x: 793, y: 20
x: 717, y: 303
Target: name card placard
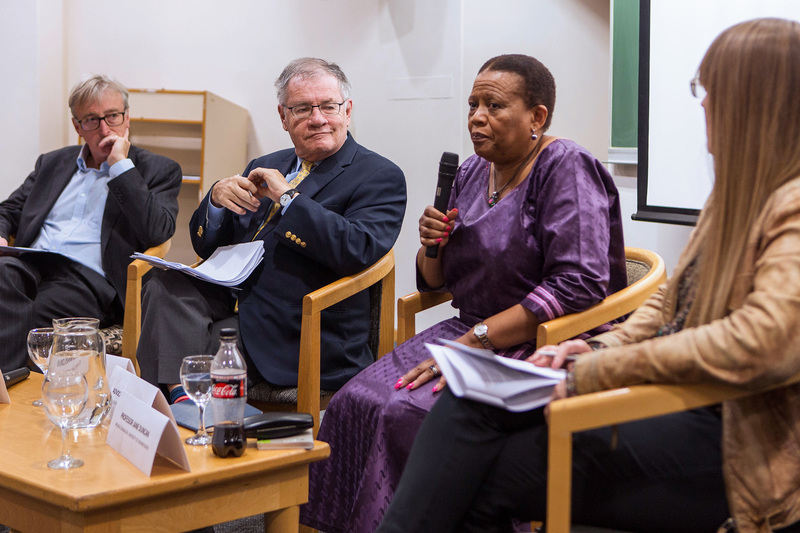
x: 139, y: 432
x: 119, y: 379
x: 4, y: 397
x: 113, y: 361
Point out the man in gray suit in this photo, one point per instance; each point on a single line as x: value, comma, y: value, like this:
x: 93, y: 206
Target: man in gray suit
x: 91, y: 207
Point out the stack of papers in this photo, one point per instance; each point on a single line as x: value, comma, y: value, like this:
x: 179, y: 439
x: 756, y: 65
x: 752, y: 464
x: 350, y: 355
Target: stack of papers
x: 228, y: 265
x: 482, y: 376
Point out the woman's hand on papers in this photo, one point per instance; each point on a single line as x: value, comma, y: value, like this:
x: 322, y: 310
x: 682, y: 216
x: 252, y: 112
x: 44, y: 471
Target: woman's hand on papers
x: 421, y: 374
x: 558, y: 356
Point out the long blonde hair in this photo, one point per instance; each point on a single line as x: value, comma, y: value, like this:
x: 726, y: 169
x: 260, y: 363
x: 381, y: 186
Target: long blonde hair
x: 752, y: 75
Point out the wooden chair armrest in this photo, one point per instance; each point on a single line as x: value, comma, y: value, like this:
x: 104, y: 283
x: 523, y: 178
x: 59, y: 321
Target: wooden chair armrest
x: 613, y: 306
x: 308, y: 386
x: 409, y: 305
x: 132, y: 321
x: 600, y: 409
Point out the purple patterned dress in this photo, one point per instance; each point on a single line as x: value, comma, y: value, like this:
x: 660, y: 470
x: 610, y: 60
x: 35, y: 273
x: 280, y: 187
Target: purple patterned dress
x: 553, y: 244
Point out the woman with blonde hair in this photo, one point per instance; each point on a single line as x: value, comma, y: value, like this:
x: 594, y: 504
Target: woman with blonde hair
x: 730, y: 314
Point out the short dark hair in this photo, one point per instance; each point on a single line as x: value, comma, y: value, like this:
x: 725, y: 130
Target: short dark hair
x: 538, y: 85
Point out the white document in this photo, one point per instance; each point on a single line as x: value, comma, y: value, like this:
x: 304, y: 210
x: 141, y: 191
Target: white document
x: 482, y: 376
x: 228, y: 265
x: 139, y: 432
x: 4, y: 397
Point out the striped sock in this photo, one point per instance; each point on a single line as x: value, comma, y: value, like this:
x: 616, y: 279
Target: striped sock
x: 177, y: 395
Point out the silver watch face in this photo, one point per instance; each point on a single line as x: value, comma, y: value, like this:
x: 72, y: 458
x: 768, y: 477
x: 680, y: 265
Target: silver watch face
x: 481, y: 330
x: 285, y: 197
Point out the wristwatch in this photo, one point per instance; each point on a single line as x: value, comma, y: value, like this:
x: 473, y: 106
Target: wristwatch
x: 481, y: 331
x: 285, y: 197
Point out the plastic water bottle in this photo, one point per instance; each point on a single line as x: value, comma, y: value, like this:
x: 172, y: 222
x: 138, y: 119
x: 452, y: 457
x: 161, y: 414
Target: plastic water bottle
x: 228, y: 397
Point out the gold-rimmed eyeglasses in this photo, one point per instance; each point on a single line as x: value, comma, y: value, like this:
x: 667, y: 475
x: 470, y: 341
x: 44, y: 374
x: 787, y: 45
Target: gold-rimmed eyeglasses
x: 304, y: 110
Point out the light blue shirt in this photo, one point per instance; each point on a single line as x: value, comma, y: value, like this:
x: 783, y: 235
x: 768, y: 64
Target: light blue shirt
x: 215, y: 214
x: 72, y: 227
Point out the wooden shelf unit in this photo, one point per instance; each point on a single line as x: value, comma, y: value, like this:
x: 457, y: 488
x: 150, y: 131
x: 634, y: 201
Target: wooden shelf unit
x: 205, y: 133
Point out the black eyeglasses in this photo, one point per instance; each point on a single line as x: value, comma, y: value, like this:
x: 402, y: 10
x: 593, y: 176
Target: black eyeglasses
x: 305, y: 110
x: 112, y: 119
x: 698, y: 91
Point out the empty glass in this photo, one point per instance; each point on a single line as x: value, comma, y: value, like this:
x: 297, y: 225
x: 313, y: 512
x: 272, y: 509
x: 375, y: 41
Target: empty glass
x: 196, y: 381
x: 40, y: 342
x: 64, y: 395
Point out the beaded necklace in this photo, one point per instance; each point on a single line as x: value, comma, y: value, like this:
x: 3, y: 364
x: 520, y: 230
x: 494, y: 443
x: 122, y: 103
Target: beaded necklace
x: 493, y: 198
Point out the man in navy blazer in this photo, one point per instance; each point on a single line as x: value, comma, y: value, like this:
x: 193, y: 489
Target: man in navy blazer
x: 335, y: 220
x: 94, y: 205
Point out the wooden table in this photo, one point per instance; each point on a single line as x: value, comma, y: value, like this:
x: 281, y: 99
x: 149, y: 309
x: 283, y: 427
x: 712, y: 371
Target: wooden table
x: 109, y: 494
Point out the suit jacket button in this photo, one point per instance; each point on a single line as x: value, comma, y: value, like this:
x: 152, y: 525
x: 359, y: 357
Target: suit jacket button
x: 200, y: 231
x: 288, y: 234
x: 302, y: 245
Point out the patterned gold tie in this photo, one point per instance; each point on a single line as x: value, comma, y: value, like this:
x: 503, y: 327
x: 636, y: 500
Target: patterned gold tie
x: 305, y: 170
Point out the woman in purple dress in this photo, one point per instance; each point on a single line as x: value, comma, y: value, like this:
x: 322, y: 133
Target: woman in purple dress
x: 533, y: 232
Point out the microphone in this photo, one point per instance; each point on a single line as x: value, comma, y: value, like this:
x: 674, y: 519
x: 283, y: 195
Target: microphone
x: 12, y: 377
x: 447, y: 173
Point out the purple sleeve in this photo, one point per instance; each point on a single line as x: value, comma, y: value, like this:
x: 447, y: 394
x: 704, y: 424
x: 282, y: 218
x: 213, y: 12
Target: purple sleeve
x: 573, y: 201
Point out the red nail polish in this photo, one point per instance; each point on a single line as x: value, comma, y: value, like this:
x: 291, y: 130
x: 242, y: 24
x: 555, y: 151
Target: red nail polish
x: 409, y: 386
x: 445, y: 219
x: 436, y: 388
x: 448, y: 228
x: 398, y: 384
x: 439, y: 239
x: 446, y: 234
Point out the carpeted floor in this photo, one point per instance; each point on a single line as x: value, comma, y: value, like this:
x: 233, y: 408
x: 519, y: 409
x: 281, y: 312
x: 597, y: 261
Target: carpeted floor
x: 251, y: 524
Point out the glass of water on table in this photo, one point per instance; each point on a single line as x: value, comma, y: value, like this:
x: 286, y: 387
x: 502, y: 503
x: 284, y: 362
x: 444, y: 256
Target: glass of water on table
x: 196, y: 381
x: 40, y: 343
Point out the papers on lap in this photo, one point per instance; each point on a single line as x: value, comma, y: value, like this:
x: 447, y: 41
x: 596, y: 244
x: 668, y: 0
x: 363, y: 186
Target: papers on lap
x: 17, y: 250
x: 482, y: 376
x: 228, y: 265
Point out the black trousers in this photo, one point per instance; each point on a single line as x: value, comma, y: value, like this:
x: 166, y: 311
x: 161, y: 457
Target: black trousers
x: 35, y: 288
x: 182, y: 316
x: 474, y: 467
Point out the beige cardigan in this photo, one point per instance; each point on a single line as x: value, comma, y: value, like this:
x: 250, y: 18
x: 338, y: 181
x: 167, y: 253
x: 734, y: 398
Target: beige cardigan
x: 756, y: 345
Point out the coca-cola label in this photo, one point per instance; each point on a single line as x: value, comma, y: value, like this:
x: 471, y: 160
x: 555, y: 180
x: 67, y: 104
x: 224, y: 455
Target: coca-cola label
x: 227, y: 387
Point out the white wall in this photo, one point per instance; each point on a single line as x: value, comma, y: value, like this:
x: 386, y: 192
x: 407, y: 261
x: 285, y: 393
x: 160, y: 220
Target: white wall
x: 32, y: 117
x: 411, y: 63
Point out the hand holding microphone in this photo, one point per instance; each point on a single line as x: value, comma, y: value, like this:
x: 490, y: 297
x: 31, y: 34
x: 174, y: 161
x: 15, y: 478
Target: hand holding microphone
x: 447, y: 173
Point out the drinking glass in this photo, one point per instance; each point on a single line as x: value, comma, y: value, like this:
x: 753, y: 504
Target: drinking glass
x: 40, y: 341
x: 196, y: 381
x: 63, y: 395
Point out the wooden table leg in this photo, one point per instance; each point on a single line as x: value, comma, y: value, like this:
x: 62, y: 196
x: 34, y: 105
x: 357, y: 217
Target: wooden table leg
x: 283, y: 520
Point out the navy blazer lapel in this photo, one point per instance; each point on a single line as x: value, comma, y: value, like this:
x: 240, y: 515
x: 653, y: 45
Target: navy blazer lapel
x: 252, y: 221
x: 329, y: 168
